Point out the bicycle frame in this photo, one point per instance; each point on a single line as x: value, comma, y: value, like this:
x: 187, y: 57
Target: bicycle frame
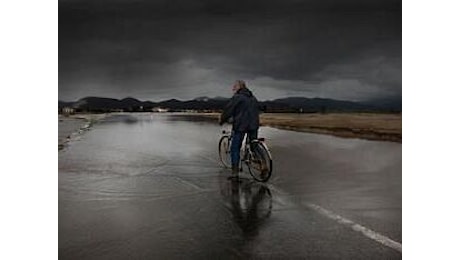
x: 246, y: 146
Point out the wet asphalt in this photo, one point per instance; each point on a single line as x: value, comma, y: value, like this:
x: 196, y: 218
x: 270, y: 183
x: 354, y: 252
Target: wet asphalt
x: 150, y: 186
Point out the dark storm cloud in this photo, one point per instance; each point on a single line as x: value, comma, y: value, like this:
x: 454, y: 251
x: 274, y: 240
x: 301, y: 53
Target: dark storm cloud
x: 183, y: 49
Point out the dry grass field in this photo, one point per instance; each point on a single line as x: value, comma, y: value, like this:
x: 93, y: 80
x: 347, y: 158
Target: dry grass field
x: 387, y: 127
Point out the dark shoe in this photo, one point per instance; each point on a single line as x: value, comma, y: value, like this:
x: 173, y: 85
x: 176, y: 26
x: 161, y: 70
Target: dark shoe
x: 264, y: 174
x: 263, y: 170
x: 235, y: 170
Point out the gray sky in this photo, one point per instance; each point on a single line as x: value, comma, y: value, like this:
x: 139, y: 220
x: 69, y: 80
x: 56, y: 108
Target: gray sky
x: 155, y: 50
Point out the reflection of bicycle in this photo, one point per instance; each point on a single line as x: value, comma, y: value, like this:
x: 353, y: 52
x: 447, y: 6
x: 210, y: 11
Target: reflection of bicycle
x: 254, y: 154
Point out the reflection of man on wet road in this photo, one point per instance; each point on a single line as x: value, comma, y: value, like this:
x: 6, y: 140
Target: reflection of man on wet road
x: 251, y: 205
x: 243, y: 108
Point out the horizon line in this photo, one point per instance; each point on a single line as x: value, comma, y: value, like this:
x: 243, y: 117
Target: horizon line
x: 182, y: 100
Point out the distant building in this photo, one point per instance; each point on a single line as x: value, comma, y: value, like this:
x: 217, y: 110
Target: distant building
x: 68, y: 111
x: 160, y: 110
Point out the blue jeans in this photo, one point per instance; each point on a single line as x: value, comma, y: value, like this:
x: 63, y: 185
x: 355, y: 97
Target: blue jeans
x: 237, y: 140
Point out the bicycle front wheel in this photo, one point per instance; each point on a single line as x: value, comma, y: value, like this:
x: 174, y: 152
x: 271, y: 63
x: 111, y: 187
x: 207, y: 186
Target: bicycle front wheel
x: 260, y: 163
x: 224, y: 151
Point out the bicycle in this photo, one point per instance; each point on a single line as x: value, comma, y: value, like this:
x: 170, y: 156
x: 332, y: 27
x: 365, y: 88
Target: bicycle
x: 254, y: 154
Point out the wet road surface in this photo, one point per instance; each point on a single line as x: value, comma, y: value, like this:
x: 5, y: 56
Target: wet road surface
x: 150, y: 186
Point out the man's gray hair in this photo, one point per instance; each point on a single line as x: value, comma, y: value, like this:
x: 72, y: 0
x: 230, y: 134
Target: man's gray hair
x: 241, y: 83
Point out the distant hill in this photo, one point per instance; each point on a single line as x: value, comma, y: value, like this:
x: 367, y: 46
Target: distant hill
x: 290, y: 104
x: 393, y: 104
x: 97, y: 103
x: 62, y: 104
x: 130, y: 102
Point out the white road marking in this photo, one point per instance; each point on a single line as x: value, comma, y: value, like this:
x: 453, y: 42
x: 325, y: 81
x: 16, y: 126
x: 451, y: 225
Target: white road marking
x: 384, y: 240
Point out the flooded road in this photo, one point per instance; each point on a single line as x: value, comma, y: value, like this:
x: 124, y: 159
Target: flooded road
x: 150, y: 186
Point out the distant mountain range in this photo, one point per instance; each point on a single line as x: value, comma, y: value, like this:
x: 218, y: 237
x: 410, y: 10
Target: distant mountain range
x: 291, y: 104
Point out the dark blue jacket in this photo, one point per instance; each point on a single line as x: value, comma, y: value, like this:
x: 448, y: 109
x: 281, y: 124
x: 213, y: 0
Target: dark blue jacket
x: 244, y: 109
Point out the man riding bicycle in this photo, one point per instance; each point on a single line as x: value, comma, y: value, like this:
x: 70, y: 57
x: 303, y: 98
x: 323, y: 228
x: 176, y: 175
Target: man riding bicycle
x: 244, y: 109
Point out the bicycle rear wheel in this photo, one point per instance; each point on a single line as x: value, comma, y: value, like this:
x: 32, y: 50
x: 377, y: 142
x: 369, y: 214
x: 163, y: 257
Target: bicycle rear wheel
x: 260, y: 163
x: 224, y: 151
